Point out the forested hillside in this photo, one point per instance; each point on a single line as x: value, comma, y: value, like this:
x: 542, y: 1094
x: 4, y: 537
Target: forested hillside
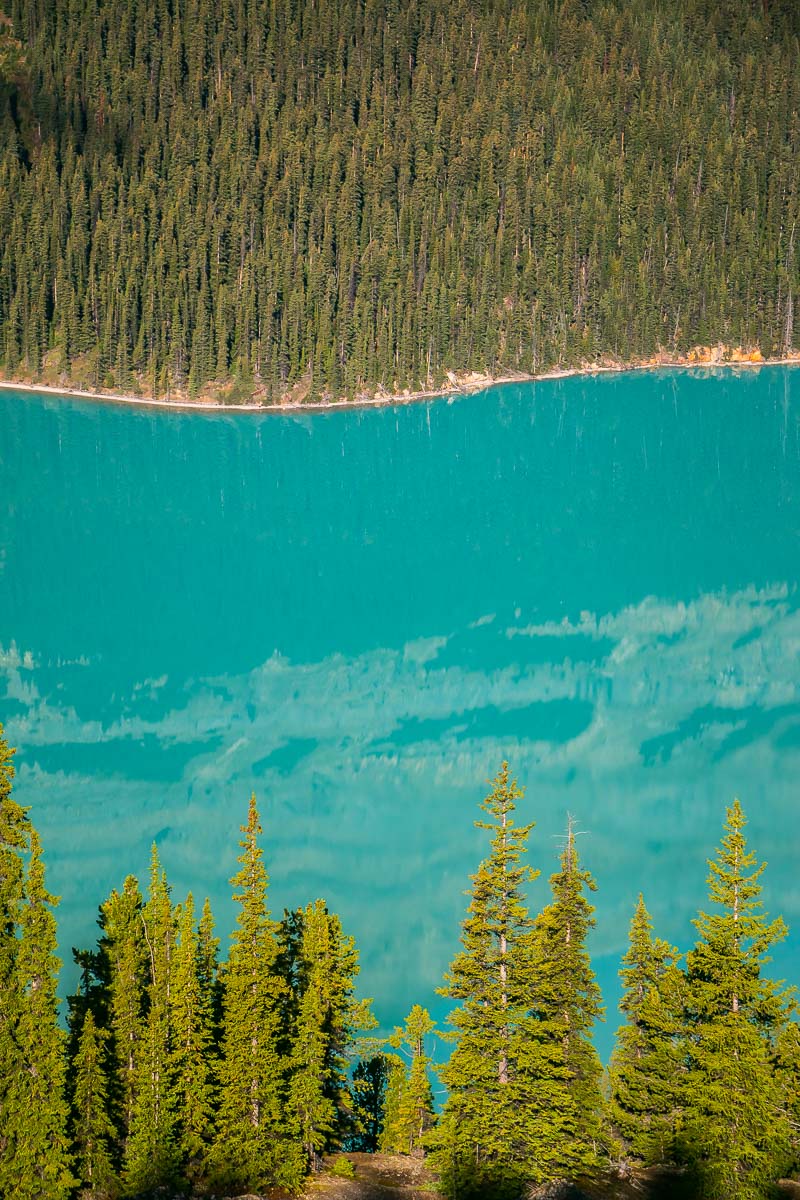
x: 348, y: 193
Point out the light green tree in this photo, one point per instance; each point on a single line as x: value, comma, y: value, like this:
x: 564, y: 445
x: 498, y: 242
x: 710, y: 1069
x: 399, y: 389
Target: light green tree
x: 36, y: 1118
x: 647, y: 1071
x: 328, y: 1016
x: 564, y: 1112
x: 254, y: 1147
x: 737, y: 1126
x: 193, y: 1053
x: 477, y: 1140
x: 151, y: 1154
x: 93, y: 1132
x: 413, y: 1115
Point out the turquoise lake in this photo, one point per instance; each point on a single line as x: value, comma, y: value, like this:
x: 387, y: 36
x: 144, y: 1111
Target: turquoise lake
x: 359, y: 614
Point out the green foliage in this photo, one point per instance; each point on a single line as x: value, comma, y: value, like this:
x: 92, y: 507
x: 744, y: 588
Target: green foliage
x: 477, y: 1139
x: 368, y: 1102
x: 737, y: 1126
x: 647, y: 1067
x: 564, y: 1105
x: 92, y: 1130
x: 343, y: 1168
x: 332, y: 195
x: 193, y: 1062
x: 254, y: 1146
x: 327, y: 1016
x: 34, y: 1157
x: 151, y: 1154
x: 412, y: 1114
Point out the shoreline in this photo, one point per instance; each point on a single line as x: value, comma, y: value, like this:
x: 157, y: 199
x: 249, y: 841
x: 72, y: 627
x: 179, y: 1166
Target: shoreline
x: 458, y: 385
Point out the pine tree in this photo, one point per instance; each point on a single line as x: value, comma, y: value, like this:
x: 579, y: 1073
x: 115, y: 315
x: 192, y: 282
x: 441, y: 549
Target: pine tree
x: 393, y: 1094
x: 14, y: 840
x: 93, y: 1132
x: 648, y: 1063
x: 36, y: 1118
x: 193, y: 1054
x: 477, y: 1139
x: 151, y: 1155
x: 737, y: 1128
x: 368, y: 1101
x: 253, y: 1146
x: 414, y: 1114
x: 566, y: 1119
x: 123, y: 951
x: 327, y: 1017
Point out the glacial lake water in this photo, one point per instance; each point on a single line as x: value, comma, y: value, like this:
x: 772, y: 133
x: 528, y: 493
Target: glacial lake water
x: 359, y: 614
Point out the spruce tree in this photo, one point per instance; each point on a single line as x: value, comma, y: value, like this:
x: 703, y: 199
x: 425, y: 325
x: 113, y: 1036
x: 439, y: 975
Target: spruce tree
x: 193, y: 1054
x: 368, y: 1096
x: 151, y: 1154
x: 565, y: 1131
x: 327, y: 1018
x: 737, y: 1126
x: 392, y: 1096
x: 36, y: 1119
x: 254, y: 1148
x: 93, y: 1132
x: 647, y: 1066
x: 14, y: 840
x: 124, y: 957
x: 477, y: 1140
x: 414, y: 1112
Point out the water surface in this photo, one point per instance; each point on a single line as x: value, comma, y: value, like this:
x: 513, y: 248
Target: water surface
x: 359, y: 613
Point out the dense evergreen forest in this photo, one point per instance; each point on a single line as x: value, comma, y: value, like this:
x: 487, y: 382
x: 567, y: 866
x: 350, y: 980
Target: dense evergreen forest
x: 338, y: 195
x: 181, y: 1072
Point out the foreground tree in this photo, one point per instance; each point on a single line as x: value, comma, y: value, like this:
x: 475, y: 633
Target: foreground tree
x: 564, y: 1131
x: 253, y: 1147
x: 737, y: 1127
x: 151, y: 1153
x: 414, y: 1112
x: 92, y: 1130
x: 193, y: 1054
x: 647, y: 1067
x: 477, y: 1140
x: 36, y: 1119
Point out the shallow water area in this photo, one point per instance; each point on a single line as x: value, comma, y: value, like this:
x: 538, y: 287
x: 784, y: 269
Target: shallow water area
x: 359, y: 614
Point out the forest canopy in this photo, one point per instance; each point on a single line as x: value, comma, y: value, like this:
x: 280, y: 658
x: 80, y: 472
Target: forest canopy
x: 340, y: 196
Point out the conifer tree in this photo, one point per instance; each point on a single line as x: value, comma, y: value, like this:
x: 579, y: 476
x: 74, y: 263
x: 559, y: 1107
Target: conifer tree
x: 151, y: 1154
x: 565, y: 1130
x: 193, y: 1053
x: 368, y: 1094
x: 647, y: 1066
x: 14, y: 840
x: 93, y: 1132
x: 124, y: 951
x: 253, y: 1147
x: 477, y: 1138
x: 393, y: 1094
x: 327, y: 1017
x: 737, y: 1127
x: 414, y: 1113
x: 36, y: 1120
x: 208, y: 970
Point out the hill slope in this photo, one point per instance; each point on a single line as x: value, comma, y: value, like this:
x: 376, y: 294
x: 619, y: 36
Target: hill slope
x: 333, y: 194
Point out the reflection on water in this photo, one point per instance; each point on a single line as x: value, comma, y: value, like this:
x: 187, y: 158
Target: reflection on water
x: 359, y: 614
